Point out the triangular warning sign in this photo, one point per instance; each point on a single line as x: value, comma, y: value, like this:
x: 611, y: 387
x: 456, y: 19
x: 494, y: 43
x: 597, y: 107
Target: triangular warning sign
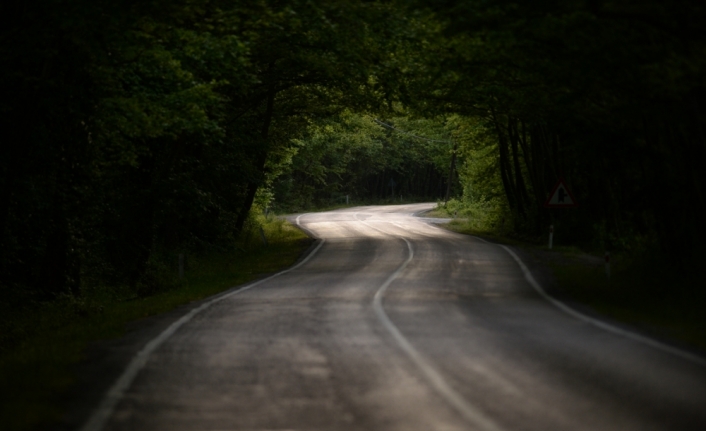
x: 561, y: 197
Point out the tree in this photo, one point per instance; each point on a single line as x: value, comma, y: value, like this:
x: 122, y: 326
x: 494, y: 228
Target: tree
x: 139, y: 129
x: 609, y: 95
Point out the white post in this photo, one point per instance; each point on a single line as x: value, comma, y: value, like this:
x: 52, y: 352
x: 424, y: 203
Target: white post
x: 551, y: 236
x: 607, y: 265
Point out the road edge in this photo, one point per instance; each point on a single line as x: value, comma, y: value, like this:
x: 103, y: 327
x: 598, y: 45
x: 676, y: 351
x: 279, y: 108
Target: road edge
x: 599, y: 321
x: 99, y: 415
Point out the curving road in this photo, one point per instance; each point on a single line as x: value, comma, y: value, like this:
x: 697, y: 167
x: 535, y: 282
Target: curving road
x: 394, y: 324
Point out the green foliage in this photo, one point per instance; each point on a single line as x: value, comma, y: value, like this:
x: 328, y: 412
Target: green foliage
x: 480, y: 217
x: 608, y: 95
x: 134, y: 130
x: 329, y: 158
x: 366, y: 159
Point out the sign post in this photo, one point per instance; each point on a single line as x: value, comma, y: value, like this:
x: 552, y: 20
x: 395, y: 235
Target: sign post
x: 560, y: 197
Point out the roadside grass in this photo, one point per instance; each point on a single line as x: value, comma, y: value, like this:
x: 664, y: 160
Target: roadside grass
x: 35, y: 373
x: 435, y: 214
x: 646, y: 289
x: 653, y: 294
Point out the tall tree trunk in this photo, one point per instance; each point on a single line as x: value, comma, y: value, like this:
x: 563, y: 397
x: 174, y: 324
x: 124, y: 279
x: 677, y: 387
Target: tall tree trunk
x: 262, y: 157
x: 520, y: 187
x: 505, y: 169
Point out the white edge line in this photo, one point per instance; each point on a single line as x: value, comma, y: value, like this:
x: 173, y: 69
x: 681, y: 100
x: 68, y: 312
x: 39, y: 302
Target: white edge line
x: 595, y: 322
x: 111, y: 398
x: 580, y: 316
x: 470, y: 413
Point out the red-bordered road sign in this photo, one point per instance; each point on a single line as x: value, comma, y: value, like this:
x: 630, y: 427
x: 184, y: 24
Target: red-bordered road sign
x: 561, y: 197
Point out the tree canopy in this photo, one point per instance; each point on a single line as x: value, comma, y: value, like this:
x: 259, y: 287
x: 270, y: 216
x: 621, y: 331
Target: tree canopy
x: 132, y: 129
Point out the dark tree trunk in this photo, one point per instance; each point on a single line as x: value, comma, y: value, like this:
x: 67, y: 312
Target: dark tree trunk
x: 520, y: 187
x: 505, y: 169
x: 261, y: 158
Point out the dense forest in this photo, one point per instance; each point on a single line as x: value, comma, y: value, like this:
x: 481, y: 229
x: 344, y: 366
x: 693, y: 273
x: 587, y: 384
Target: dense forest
x: 135, y: 130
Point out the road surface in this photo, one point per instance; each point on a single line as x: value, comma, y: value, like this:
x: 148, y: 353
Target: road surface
x: 395, y: 324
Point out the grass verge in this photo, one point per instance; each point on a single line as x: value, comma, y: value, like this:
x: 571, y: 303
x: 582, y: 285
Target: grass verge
x: 645, y: 289
x: 35, y: 374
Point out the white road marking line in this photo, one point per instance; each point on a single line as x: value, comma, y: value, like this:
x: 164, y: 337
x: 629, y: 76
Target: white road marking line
x: 435, y: 379
x: 595, y: 322
x: 310, y: 233
x: 111, y: 398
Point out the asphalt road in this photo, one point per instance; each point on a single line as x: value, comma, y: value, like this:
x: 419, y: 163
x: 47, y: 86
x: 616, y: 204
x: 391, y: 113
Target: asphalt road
x: 395, y: 324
